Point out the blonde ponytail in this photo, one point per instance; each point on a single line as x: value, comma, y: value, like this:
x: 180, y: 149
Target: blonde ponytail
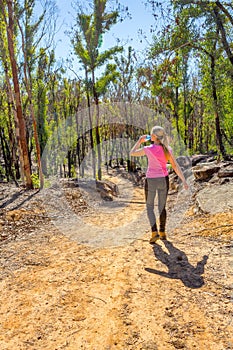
x: 160, y: 133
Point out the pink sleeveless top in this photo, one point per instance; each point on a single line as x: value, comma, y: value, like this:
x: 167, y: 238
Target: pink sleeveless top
x: 156, y: 161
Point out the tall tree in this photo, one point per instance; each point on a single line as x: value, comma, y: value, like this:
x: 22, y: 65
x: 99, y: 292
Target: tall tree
x: 9, y: 17
x: 218, y: 12
x: 28, y: 85
x: 202, y: 27
x: 16, y: 150
x: 87, y: 42
x: 208, y: 41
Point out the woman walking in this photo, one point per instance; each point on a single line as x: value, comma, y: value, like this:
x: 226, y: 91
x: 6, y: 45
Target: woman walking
x: 157, y: 180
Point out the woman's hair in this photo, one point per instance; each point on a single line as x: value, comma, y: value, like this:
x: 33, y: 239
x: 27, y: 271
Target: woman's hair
x: 161, y: 135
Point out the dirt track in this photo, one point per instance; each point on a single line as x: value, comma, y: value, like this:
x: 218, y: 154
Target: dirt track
x: 59, y: 294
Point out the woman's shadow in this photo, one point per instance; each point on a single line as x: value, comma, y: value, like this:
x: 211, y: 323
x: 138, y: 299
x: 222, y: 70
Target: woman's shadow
x: 179, y: 266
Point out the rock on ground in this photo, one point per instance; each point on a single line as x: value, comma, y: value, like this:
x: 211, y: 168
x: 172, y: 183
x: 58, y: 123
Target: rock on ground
x: 216, y: 199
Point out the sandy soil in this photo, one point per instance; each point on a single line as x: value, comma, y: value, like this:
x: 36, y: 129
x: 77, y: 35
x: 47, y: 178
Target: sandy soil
x: 59, y: 293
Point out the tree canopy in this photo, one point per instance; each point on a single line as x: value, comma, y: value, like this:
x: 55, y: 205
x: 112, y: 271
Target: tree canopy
x: 185, y: 75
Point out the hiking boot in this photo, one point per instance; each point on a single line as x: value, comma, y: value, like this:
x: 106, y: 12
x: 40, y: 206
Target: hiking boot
x: 162, y: 235
x: 154, y: 237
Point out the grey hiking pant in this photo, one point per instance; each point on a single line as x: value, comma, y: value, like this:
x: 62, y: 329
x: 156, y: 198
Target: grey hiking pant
x: 159, y: 185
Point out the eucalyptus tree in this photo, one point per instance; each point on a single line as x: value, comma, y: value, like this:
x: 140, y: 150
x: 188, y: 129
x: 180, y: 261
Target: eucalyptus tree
x: 170, y: 58
x: 36, y: 38
x: 26, y: 36
x: 208, y: 29
x: 8, y: 110
x: 87, y: 40
x: 124, y: 89
x: 9, y: 12
x: 27, y: 68
x: 218, y: 12
x: 215, y: 26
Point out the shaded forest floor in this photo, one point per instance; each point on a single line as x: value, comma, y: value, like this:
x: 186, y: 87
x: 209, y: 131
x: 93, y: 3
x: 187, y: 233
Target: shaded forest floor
x: 58, y: 292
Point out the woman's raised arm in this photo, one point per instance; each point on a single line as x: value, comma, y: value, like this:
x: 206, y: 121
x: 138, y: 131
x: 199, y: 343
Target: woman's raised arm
x: 136, y: 151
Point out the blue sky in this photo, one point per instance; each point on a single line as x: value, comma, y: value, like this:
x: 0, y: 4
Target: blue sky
x: 127, y: 30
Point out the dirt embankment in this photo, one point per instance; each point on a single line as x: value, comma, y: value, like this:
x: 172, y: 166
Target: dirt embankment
x: 61, y: 293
